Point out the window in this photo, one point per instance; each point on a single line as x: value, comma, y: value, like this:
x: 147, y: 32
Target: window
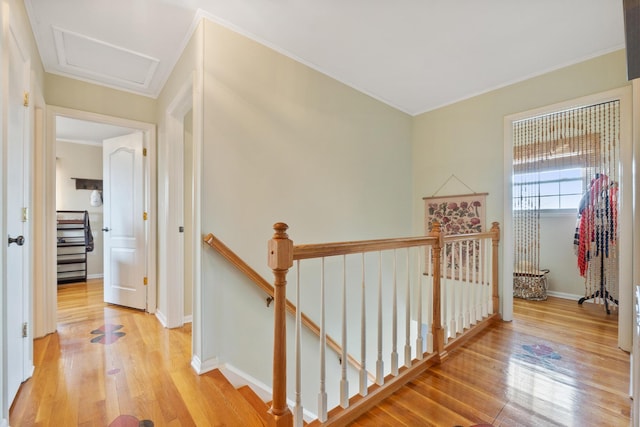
x: 548, y: 189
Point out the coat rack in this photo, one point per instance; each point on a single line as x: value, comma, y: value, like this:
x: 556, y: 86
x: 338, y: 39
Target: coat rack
x: 88, y: 184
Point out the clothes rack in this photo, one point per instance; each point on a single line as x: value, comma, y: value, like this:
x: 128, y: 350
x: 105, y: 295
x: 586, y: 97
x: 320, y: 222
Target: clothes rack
x: 597, y: 219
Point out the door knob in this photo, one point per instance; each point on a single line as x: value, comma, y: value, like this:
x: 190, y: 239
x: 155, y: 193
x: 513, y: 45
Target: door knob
x: 18, y: 240
x: 105, y: 229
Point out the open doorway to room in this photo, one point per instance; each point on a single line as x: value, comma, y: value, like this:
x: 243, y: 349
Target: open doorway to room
x: 74, y: 146
x: 565, y: 156
x: 79, y: 178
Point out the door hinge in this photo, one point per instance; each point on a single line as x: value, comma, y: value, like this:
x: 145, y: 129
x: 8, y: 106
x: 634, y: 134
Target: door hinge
x: 25, y: 214
x: 26, y: 99
x: 145, y: 281
x: 144, y: 152
x: 145, y: 216
x: 25, y: 328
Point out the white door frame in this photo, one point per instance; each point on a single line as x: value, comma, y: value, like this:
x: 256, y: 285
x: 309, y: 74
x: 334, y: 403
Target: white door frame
x: 626, y: 269
x: 188, y: 97
x: 172, y: 250
x: 635, y: 357
x: 49, y: 292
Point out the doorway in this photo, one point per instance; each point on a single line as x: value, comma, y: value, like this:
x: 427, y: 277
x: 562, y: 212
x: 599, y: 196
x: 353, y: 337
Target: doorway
x: 56, y: 115
x: 625, y: 216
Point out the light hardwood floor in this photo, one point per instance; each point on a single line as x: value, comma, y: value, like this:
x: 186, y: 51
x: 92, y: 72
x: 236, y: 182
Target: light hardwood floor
x: 556, y: 364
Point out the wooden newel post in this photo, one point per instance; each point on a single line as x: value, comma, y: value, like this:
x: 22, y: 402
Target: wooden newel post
x: 280, y: 259
x: 495, y: 242
x: 437, y: 329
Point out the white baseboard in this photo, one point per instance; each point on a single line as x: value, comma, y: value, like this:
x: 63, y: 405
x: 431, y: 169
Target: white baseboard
x: 161, y: 318
x: 204, y: 366
x: 239, y: 378
x: 95, y: 276
x: 188, y: 319
x: 4, y: 423
x: 564, y: 295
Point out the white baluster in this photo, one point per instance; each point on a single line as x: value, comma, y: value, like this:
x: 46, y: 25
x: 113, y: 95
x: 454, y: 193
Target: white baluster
x: 466, y: 288
x: 379, y: 362
x: 407, y: 308
x: 430, y: 299
x: 394, y: 316
x: 480, y: 298
x: 322, y: 395
x: 473, y: 283
x: 344, y: 382
x: 419, y: 345
x: 444, y: 289
x: 297, y: 412
x: 487, y: 279
x: 363, y: 339
x: 452, y: 300
x: 459, y: 291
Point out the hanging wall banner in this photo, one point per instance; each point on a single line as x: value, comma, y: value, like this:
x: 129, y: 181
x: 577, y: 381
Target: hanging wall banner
x: 459, y: 214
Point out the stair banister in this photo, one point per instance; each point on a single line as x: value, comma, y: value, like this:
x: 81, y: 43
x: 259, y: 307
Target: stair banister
x: 280, y: 259
x: 263, y: 284
x: 495, y: 240
x: 438, y: 330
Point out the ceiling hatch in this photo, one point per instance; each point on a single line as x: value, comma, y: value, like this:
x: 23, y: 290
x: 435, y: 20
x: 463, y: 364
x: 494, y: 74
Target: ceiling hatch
x: 79, y: 54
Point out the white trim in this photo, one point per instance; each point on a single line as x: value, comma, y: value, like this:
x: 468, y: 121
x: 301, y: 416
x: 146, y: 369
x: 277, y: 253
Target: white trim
x: 626, y: 269
x: 635, y: 361
x: 149, y: 132
x: 95, y: 276
x: 565, y: 295
x: 173, y: 279
x: 161, y: 318
x: 188, y: 319
x: 239, y: 378
x: 198, y: 306
x: 202, y: 367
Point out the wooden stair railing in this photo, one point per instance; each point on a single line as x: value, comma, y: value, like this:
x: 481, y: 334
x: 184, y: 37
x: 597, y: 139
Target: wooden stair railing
x: 281, y: 256
x: 263, y: 284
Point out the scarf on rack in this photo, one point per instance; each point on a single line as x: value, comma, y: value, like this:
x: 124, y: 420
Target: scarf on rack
x: 601, y: 199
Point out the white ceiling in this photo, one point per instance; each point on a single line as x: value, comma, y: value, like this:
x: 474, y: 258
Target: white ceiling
x: 86, y: 132
x: 415, y: 55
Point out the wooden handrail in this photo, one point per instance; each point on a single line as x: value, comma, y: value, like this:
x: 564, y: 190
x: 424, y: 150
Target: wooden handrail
x: 238, y: 263
x: 468, y: 236
x: 265, y: 286
x: 345, y: 248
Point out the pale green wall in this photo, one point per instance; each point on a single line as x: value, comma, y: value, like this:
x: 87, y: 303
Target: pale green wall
x: 78, y: 95
x: 283, y: 142
x: 467, y: 138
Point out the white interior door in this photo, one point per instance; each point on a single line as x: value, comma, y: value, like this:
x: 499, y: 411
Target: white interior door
x: 124, y: 224
x: 17, y: 280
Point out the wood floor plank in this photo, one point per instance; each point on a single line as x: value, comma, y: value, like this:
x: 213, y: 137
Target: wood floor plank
x: 557, y: 363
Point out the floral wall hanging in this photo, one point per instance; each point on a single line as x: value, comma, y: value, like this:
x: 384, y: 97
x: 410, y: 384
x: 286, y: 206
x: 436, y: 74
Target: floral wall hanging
x: 460, y: 214
x: 456, y: 214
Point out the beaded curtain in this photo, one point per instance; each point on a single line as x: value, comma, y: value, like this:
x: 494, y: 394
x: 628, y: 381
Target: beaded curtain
x: 585, y: 141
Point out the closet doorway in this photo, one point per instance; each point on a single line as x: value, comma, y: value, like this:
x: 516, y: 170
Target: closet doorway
x: 555, y: 227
